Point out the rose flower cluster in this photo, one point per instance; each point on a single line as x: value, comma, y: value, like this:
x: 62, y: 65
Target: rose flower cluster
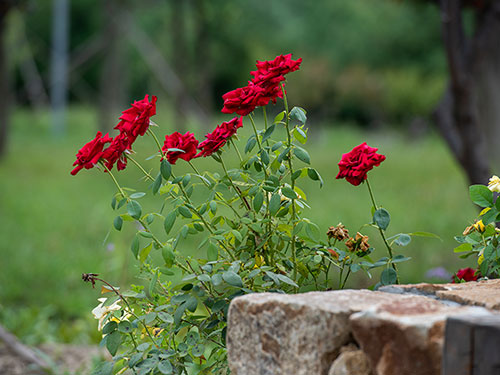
x: 265, y: 86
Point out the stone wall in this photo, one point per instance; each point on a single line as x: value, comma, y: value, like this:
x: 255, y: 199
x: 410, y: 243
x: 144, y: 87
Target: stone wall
x: 395, y: 331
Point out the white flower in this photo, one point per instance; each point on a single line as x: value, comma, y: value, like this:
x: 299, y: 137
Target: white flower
x: 101, y: 311
x: 494, y: 184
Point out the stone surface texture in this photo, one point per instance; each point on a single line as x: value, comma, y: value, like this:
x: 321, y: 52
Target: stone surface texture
x: 396, y: 331
x: 351, y: 361
x: 276, y: 334
x: 484, y: 293
x: 406, y: 336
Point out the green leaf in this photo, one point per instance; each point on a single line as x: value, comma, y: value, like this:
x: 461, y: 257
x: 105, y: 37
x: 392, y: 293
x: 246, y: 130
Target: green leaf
x: 184, y: 211
x: 268, y: 133
x: 276, y: 146
x: 490, y: 216
x: 286, y: 280
x: 232, y: 278
x: 165, y: 367
x: 302, y: 155
x: 186, y: 179
x: 289, y: 193
x: 168, y: 255
x: 104, y: 368
x: 382, y: 218
x: 217, y: 279
x: 424, y: 234
x: 462, y: 248
x: 250, y: 144
x: 157, y: 184
x: 198, y: 350
x: 296, y: 174
x: 274, y: 203
x: 137, y: 195
x: 315, y: 176
x: 212, y: 252
x: 134, y: 209
x: 213, y: 207
x: 135, y: 246
x: 280, y: 116
x: 192, y: 304
x: 300, y: 135
x: 283, y: 154
x: 118, y: 222
x: 264, y: 156
x: 299, y: 114
x: 400, y: 258
x: 165, y: 169
x: 169, y: 221
x: 109, y: 327
x: 125, y: 326
x: 205, y: 278
x: 113, y: 341
x: 312, y: 231
x: 388, y: 276
x: 143, y: 254
x: 403, y: 240
x: 481, y: 195
x: 258, y: 200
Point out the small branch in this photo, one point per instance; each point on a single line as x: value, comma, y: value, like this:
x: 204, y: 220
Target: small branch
x: 22, y: 351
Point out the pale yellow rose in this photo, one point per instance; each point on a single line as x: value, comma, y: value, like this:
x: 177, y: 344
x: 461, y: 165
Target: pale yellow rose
x: 101, y: 311
x: 494, y: 184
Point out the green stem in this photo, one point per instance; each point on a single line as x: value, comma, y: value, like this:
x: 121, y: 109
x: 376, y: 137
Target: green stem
x: 233, y: 185
x: 382, y: 234
x: 207, y: 225
x: 290, y: 167
x: 158, y: 144
x: 116, y: 182
x: 237, y: 151
x: 141, y: 168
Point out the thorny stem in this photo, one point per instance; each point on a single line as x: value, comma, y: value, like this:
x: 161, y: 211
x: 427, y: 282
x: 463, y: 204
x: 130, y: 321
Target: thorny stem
x: 88, y: 277
x: 233, y: 185
x: 141, y: 168
x: 207, y: 225
x: 290, y: 167
x: 216, y: 193
x: 145, y: 226
x: 158, y: 144
x: 237, y: 151
x: 389, y: 249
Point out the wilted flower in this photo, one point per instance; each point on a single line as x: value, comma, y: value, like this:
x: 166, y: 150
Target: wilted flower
x: 101, y: 312
x: 339, y: 232
x: 333, y: 253
x: 494, y: 184
x: 358, y: 244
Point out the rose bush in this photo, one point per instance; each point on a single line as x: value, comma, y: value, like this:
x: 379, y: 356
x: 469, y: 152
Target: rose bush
x: 248, y: 220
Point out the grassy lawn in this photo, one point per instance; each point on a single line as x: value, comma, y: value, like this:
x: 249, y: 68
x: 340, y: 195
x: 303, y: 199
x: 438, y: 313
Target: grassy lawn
x: 54, y: 227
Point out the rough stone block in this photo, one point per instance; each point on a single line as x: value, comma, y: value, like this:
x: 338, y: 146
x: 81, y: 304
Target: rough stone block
x: 406, y: 336
x: 301, y: 334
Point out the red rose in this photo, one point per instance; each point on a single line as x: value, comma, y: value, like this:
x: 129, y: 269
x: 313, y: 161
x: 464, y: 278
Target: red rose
x: 90, y: 153
x: 115, y: 152
x: 185, y: 142
x: 243, y: 100
x: 218, y: 138
x: 264, y: 87
x: 272, y: 72
x: 355, y: 164
x: 467, y: 274
x: 135, y: 120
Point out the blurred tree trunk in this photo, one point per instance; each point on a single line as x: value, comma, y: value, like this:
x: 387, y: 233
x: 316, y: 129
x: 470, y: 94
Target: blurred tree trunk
x: 4, y: 81
x: 113, y: 81
x: 203, y: 58
x: 180, y: 61
x: 468, y: 116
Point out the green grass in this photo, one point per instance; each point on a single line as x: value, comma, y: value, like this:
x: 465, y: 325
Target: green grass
x: 54, y: 227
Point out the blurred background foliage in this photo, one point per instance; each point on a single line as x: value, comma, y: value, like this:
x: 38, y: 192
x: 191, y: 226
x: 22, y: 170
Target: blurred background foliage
x: 372, y: 71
